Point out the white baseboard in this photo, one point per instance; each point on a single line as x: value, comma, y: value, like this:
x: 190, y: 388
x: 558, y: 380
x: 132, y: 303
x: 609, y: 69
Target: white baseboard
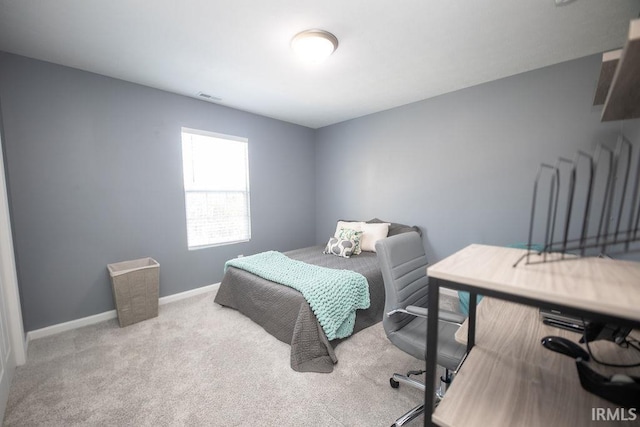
x: 187, y: 294
x: 72, y: 324
x: 108, y: 315
x: 112, y: 314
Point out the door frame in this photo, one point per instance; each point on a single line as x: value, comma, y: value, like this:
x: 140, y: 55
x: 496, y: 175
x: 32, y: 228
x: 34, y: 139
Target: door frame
x: 9, y: 273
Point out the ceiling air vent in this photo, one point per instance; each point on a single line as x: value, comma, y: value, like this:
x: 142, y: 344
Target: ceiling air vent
x: 209, y: 97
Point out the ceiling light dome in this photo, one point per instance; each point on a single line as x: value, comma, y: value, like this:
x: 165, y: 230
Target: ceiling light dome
x: 314, y: 46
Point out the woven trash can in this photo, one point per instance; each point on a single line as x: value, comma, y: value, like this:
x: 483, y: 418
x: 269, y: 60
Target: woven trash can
x: 136, y: 288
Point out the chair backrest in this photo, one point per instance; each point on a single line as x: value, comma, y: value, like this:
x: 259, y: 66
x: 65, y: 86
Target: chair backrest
x: 404, y: 270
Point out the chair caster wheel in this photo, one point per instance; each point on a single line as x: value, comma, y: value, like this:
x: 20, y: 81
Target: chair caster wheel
x: 394, y: 384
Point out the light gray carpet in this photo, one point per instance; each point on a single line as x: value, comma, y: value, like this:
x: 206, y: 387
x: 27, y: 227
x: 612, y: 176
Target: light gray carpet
x: 199, y: 364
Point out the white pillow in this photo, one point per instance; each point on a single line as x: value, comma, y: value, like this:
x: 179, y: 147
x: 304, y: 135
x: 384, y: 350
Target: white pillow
x: 371, y: 234
x: 357, y: 226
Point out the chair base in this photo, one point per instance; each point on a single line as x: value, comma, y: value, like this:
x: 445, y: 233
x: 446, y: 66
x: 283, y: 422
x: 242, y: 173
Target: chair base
x: 444, y: 385
x: 397, y: 379
x: 414, y: 413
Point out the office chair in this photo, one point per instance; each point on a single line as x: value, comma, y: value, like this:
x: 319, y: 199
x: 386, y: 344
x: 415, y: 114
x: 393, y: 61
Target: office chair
x: 403, y: 263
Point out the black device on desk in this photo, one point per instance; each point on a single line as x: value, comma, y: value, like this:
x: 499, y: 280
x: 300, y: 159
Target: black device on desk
x: 561, y: 320
x: 565, y: 346
x: 594, y: 331
x: 623, y: 390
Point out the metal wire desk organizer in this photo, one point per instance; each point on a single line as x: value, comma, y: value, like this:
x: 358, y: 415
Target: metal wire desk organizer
x: 591, y: 206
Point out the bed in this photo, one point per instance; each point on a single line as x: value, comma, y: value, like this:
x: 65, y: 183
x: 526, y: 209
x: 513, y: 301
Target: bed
x: 284, y: 313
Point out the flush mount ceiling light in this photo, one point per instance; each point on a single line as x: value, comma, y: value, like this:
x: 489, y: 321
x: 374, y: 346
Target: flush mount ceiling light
x: 314, y: 46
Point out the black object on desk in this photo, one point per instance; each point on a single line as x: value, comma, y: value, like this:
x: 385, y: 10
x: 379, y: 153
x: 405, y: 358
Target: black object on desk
x: 561, y: 320
x: 604, y: 331
x: 622, y: 390
x: 565, y: 346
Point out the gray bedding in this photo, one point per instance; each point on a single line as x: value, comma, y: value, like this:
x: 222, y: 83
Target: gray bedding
x: 285, y: 314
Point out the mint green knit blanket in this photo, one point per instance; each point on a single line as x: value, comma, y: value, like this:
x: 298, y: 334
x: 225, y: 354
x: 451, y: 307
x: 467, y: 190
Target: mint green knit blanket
x: 333, y: 295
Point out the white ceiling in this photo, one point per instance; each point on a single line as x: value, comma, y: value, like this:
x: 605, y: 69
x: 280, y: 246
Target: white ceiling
x: 392, y: 52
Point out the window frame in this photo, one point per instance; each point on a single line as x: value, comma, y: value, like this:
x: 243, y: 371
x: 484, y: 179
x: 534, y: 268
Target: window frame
x: 247, y: 191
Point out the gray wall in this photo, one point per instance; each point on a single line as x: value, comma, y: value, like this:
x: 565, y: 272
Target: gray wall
x: 461, y: 166
x: 95, y: 172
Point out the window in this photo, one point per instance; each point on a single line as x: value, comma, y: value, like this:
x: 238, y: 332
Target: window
x: 216, y: 188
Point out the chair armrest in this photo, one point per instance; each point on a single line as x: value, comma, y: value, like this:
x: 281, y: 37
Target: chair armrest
x: 444, y: 315
x: 451, y: 316
x: 417, y: 311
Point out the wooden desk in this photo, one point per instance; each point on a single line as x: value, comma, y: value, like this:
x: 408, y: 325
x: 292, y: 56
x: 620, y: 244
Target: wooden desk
x: 509, y: 378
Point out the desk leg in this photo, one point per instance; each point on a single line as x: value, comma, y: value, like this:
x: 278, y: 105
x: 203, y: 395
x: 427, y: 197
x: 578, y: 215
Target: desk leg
x: 432, y: 351
x: 471, y: 321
